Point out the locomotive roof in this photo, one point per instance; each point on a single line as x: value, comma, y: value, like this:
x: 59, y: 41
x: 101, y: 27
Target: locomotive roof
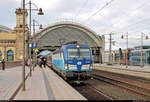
x: 72, y: 45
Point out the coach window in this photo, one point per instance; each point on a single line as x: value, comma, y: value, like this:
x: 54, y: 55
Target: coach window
x: 0, y: 55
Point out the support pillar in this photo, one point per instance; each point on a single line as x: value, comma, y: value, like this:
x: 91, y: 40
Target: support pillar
x: 5, y: 54
x: 100, y: 55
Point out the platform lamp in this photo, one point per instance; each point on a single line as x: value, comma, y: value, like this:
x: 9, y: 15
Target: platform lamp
x: 40, y: 12
x: 141, y: 58
x: 122, y: 37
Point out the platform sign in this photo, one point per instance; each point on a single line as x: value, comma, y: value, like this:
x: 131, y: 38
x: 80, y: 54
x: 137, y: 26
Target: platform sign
x: 34, y: 45
x: 30, y: 45
x: 36, y: 50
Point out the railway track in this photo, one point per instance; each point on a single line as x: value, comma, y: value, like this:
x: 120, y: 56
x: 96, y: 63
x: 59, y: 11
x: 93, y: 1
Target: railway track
x: 93, y: 93
x: 108, y: 86
x: 124, y: 84
x: 105, y: 95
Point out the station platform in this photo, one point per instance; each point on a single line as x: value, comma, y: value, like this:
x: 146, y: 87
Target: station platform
x: 46, y: 85
x: 137, y: 71
x: 10, y: 81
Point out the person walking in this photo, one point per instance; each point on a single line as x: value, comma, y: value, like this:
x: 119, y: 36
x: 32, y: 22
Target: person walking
x: 3, y: 64
x: 44, y: 62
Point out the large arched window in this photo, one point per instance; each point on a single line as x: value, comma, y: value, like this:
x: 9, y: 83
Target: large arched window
x: 10, y: 56
x: 0, y: 55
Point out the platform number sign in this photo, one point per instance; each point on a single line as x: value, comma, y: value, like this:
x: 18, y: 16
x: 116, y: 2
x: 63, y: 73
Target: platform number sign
x: 36, y: 50
x: 34, y: 45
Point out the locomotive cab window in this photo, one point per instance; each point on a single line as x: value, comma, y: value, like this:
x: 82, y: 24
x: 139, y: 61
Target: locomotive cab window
x: 85, y: 53
x: 72, y: 52
x: 82, y: 52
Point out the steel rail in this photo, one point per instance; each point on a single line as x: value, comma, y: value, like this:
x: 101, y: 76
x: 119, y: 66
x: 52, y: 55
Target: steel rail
x: 106, y: 95
x: 127, y: 86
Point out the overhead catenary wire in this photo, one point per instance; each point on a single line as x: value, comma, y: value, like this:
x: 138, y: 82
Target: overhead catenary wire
x: 142, y: 21
x: 139, y: 7
x: 136, y: 23
x: 126, y: 14
x: 98, y: 11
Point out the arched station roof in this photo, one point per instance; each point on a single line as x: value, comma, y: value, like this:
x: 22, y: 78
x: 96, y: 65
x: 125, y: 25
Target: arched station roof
x: 4, y: 29
x: 63, y: 32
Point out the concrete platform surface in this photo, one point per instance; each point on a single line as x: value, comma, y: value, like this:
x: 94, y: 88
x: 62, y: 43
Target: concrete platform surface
x: 10, y: 80
x: 61, y: 89
x: 46, y: 85
x: 34, y: 87
x: 138, y: 71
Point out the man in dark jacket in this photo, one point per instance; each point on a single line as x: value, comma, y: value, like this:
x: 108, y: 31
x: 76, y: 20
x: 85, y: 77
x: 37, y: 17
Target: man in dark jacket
x: 44, y: 62
x: 3, y: 64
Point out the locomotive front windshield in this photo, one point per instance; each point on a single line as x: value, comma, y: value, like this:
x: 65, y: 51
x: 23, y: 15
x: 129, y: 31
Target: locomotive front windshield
x: 81, y: 52
x: 85, y: 53
x: 72, y: 53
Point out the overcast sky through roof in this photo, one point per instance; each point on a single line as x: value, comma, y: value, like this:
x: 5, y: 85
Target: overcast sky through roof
x: 118, y: 17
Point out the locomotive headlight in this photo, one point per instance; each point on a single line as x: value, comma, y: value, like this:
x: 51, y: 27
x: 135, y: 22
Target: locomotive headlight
x: 78, y: 46
x: 91, y: 66
x: 66, y: 66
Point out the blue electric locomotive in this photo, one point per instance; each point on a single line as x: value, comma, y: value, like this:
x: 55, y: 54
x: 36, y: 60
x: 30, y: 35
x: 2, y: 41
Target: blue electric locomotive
x: 73, y: 62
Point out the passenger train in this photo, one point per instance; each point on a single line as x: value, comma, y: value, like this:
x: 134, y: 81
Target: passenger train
x: 73, y: 62
x: 134, y: 57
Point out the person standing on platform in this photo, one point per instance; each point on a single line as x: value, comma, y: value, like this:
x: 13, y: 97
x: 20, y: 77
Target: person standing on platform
x: 44, y: 62
x: 3, y: 64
